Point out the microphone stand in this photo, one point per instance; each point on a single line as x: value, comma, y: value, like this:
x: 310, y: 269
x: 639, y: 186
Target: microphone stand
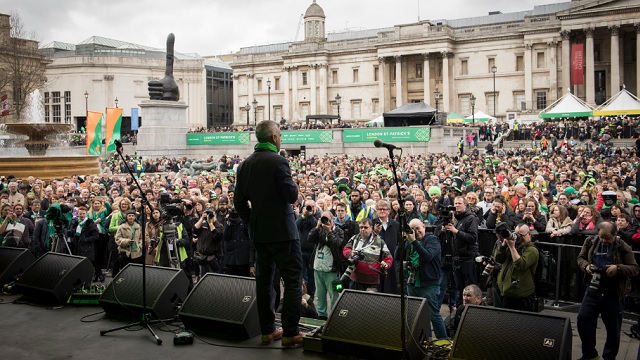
x: 403, y: 290
x: 144, y: 318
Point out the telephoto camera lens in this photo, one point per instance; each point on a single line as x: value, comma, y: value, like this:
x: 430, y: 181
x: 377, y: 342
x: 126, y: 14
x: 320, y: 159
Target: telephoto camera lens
x: 324, y: 220
x: 309, y: 208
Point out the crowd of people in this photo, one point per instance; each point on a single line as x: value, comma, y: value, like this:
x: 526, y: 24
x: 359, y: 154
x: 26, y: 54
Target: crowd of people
x: 347, y: 216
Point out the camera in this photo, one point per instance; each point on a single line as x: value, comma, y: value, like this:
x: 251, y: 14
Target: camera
x: 412, y: 270
x: 309, y: 208
x: 594, y: 284
x: 324, y: 220
x: 209, y: 212
x: 355, y: 257
x: 502, y: 229
x: 445, y: 214
x: 491, y: 264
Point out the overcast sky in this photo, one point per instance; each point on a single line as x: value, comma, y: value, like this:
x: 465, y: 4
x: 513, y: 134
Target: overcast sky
x: 212, y: 27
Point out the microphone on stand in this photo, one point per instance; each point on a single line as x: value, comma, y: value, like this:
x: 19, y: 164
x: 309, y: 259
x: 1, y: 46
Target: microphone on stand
x: 118, y: 146
x: 378, y: 143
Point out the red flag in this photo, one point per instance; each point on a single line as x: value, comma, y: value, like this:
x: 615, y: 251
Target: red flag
x: 577, y: 61
x: 4, y: 100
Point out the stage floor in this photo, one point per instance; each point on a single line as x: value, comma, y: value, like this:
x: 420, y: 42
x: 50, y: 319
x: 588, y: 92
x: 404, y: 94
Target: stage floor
x: 35, y: 332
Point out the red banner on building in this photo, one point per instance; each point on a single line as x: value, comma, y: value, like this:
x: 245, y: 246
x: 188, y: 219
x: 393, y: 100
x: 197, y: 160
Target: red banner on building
x: 577, y: 64
x: 4, y: 101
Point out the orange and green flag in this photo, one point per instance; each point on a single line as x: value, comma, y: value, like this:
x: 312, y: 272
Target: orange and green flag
x: 94, y: 133
x: 114, y: 121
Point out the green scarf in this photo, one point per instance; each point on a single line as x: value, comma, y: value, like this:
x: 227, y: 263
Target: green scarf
x: 266, y: 146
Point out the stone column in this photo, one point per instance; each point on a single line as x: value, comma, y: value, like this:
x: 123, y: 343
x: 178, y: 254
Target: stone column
x: 294, y: 94
x: 637, y: 57
x: 528, y: 77
x: 236, y: 101
x: 313, y: 110
x: 566, y: 61
x: 427, y: 78
x: 446, y: 82
x: 323, y: 88
x: 381, y: 90
x: 553, y: 72
x: 286, y: 88
x: 250, y: 92
x: 590, y: 68
x: 615, y: 59
x: 398, y: 59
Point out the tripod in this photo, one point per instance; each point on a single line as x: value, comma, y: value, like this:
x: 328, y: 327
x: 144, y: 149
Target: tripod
x: 144, y: 318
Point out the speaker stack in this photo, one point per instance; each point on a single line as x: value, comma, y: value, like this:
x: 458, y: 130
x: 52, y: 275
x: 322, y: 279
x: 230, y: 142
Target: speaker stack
x: 491, y: 333
x: 54, y: 277
x: 222, y: 304
x: 367, y: 325
x: 13, y: 261
x: 165, y: 288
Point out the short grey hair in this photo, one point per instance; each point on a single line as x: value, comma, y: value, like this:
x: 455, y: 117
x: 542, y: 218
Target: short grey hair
x: 265, y: 130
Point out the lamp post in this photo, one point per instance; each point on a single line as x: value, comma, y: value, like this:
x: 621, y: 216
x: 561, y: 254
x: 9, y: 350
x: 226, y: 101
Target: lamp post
x: 436, y: 96
x: 338, y: 100
x: 493, y: 70
x: 86, y: 102
x: 247, y: 108
x: 255, y: 111
x: 473, y: 109
x: 269, y: 96
x: 116, y: 101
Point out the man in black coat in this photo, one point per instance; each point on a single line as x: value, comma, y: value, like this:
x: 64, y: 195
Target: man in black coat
x: 264, y: 180
x: 85, y: 233
x: 388, y: 229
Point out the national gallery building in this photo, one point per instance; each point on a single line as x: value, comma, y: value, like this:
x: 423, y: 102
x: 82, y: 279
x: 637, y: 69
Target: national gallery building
x: 513, y: 64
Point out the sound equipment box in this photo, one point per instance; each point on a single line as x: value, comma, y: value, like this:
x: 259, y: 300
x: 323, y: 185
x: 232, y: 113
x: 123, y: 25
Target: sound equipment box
x: 222, y: 304
x: 54, y: 277
x: 367, y: 325
x: 13, y: 261
x: 165, y: 288
x: 491, y: 333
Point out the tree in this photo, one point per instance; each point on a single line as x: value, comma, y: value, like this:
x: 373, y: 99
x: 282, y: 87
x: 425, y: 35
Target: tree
x: 22, y: 65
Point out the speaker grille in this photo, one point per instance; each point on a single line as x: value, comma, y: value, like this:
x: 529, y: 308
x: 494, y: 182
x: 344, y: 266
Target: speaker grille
x: 12, y: 262
x: 165, y: 287
x: 490, y: 333
x: 50, y: 269
x: 235, y: 296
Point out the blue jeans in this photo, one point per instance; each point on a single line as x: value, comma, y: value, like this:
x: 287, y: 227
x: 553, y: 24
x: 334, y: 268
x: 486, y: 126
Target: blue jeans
x: 610, y: 307
x: 432, y: 294
x: 324, y: 287
x: 286, y: 257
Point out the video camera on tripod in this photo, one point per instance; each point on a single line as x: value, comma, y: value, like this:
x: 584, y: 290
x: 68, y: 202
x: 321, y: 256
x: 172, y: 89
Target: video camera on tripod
x: 445, y: 214
x: 170, y: 211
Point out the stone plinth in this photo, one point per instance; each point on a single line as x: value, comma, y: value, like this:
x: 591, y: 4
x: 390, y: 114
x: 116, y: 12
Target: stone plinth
x: 164, y: 128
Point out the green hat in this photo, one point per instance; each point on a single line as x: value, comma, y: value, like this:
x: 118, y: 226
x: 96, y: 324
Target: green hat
x: 434, y: 190
x: 570, y: 190
x: 357, y: 177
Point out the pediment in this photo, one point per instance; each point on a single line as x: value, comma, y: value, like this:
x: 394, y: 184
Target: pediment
x: 589, y: 8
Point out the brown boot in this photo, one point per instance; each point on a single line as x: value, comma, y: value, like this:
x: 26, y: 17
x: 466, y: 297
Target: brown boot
x: 275, y: 335
x: 292, y: 341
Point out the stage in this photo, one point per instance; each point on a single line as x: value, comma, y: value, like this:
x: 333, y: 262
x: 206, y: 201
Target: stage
x: 36, y: 332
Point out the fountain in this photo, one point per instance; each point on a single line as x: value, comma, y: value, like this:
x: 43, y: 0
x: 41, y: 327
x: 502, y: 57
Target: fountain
x: 60, y: 163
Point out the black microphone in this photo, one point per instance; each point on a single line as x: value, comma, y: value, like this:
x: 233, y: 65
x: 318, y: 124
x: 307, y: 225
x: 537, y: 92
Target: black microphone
x: 118, y: 146
x: 378, y: 143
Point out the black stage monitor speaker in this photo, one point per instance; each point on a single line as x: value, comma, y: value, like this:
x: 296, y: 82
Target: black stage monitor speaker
x: 13, y: 261
x: 54, y: 277
x: 367, y: 325
x: 165, y: 288
x: 491, y: 333
x: 222, y: 304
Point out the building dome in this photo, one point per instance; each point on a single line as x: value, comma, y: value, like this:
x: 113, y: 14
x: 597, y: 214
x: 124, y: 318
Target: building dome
x: 314, y: 10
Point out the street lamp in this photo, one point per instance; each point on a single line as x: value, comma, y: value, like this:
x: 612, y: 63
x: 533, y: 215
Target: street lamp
x: 269, y: 96
x: 338, y: 100
x: 493, y: 70
x: 255, y: 111
x: 116, y: 101
x: 436, y: 96
x: 247, y: 108
x: 473, y: 109
x: 86, y: 102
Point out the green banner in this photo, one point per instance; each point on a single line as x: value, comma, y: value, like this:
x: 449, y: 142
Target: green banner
x: 307, y: 136
x: 387, y: 135
x: 228, y: 138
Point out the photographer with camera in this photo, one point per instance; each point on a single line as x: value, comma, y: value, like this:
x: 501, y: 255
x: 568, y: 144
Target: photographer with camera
x: 519, y: 259
x: 207, y: 235
x: 370, y: 255
x: 239, y: 255
x: 305, y: 223
x: 422, y: 263
x: 463, y: 229
x: 327, y: 255
x: 498, y: 213
x: 610, y: 263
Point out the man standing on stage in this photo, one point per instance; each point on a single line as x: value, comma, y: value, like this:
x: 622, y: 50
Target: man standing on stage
x: 263, y: 198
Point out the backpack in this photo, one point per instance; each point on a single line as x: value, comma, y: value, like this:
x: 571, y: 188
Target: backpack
x: 543, y: 277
